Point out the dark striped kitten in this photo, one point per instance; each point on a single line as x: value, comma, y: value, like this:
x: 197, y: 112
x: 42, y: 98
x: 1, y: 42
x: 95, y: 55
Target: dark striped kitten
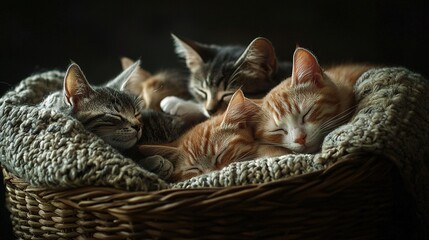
x: 108, y: 111
x: 216, y: 72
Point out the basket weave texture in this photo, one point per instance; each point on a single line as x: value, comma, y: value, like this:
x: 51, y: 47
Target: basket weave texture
x: 64, y: 182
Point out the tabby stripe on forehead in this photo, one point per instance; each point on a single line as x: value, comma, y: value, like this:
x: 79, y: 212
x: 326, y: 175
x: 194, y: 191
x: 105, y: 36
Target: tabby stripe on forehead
x: 288, y: 107
x: 275, y: 107
x: 297, y: 109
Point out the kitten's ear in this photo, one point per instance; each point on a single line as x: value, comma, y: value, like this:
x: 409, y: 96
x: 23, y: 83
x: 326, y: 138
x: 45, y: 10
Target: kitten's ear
x: 189, y: 51
x: 134, y: 82
x: 306, y: 68
x: 76, y: 87
x: 139, y: 73
x: 240, y: 110
x: 168, y: 152
x: 126, y: 62
x: 119, y: 82
x: 260, y: 53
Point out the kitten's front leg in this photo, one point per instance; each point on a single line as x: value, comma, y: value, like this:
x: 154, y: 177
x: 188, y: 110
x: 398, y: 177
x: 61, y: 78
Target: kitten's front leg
x: 158, y: 165
x: 190, y: 111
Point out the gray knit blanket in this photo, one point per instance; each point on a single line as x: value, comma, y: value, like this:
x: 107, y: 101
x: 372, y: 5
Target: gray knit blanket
x: 48, y: 148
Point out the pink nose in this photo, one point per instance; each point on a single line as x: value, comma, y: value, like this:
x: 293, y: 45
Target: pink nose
x: 301, y: 139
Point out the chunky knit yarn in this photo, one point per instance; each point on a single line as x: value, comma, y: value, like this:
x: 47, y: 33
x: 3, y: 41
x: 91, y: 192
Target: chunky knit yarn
x: 47, y: 148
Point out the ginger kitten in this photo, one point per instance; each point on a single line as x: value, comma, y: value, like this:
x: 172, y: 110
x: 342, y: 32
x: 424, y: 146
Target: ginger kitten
x: 304, y: 108
x: 215, y: 143
x: 152, y: 88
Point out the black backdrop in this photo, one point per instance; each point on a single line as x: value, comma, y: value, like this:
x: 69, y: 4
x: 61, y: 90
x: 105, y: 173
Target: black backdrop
x: 42, y: 35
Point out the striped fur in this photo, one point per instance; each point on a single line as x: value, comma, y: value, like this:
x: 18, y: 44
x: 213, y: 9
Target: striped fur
x: 215, y: 143
x: 216, y: 72
x: 301, y: 110
x: 107, y: 111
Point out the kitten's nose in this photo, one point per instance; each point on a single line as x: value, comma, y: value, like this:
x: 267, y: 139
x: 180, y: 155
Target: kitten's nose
x: 301, y: 139
x: 211, y: 111
x: 211, y: 106
x: 136, y: 127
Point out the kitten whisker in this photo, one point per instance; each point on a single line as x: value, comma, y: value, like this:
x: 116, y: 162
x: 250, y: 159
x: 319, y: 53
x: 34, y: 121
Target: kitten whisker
x: 338, y: 119
x: 247, y: 156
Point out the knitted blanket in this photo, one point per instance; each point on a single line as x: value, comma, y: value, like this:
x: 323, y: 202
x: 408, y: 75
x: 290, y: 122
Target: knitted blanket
x: 48, y: 148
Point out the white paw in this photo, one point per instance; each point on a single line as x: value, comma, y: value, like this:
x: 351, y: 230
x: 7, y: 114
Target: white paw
x: 179, y: 107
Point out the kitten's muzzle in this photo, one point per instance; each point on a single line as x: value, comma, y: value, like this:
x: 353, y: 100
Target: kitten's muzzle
x: 212, y: 106
x: 137, y: 127
x: 211, y: 111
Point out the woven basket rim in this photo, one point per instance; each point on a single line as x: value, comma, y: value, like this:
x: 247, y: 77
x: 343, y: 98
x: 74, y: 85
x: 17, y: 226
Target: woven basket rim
x: 171, y: 213
x: 349, y: 161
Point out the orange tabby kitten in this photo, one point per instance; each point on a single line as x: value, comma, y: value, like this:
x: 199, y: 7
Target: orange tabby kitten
x: 304, y: 108
x: 152, y: 88
x: 217, y: 142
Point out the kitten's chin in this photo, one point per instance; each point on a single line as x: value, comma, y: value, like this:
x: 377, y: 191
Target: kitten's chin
x: 123, y: 142
x: 305, y: 148
x: 123, y: 145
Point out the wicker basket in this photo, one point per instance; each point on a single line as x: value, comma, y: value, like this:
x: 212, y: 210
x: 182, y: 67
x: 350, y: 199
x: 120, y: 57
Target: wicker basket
x: 358, y: 198
x: 369, y: 181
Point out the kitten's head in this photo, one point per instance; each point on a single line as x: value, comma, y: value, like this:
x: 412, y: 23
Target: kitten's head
x: 213, y: 144
x: 216, y: 72
x: 110, y: 113
x: 301, y: 110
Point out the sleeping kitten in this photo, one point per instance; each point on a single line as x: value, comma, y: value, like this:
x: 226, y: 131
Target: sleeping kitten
x: 216, y: 72
x: 152, y: 88
x: 108, y: 111
x: 159, y: 127
x: 215, y: 143
x: 305, y: 107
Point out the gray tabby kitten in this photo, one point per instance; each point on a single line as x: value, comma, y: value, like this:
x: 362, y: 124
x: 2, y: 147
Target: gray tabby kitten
x: 216, y: 72
x: 108, y: 111
x: 117, y: 116
x: 112, y: 111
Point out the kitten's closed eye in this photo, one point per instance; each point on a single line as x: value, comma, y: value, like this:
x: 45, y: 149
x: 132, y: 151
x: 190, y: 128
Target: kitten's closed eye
x: 226, y: 97
x: 306, y: 115
x: 279, y: 130
x: 193, y: 170
x: 201, y: 92
x: 113, y: 117
x: 219, y: 157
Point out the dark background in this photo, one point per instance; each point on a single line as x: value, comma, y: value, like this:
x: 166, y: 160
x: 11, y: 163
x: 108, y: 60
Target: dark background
x: 42, y: 35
